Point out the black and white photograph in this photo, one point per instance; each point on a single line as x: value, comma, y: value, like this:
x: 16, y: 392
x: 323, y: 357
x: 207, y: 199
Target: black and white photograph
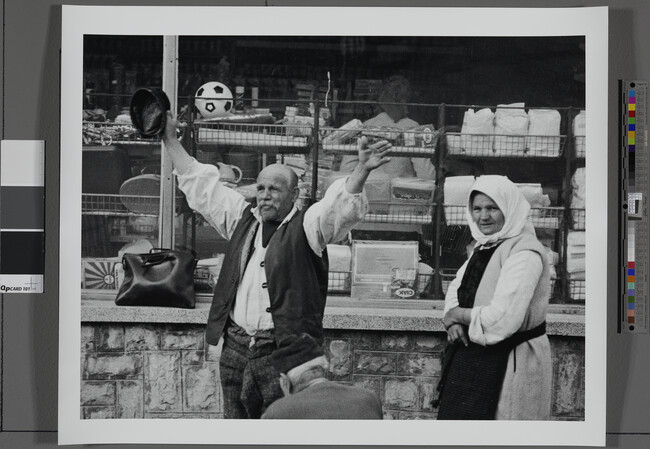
x: 326, y: 218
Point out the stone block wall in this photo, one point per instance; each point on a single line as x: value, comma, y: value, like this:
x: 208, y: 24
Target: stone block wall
x: 168, y: 371
x: 148, y: 371
x: 403, y: 369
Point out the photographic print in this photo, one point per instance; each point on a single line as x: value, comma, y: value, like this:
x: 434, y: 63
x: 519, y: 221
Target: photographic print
x: 326, y: 218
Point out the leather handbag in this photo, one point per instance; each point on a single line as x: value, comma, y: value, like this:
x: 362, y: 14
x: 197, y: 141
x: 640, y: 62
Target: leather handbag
x: 161, y: 277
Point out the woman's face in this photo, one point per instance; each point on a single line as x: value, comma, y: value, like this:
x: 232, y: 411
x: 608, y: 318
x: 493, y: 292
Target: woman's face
x: 486, y: 214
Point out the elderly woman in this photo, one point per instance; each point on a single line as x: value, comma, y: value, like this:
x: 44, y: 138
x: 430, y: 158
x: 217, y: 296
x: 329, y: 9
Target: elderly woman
x: 498, y: 361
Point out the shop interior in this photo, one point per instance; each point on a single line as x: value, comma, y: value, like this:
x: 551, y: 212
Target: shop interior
x: 462, y: 107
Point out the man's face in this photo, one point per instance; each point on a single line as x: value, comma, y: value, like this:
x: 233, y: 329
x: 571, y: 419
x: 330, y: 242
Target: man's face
x: 275, y: 197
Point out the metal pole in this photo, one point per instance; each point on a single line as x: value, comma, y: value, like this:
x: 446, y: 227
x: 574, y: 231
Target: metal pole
x: 188, y: 142
x: 569, y: 157
x: 315, y: 153
x: 167, y: 197
x: 440, y: 155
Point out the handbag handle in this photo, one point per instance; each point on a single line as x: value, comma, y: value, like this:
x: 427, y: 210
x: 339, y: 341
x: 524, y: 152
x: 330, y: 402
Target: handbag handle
x: 159, y: 255
x: 157, y: 250
x: 156, y: 259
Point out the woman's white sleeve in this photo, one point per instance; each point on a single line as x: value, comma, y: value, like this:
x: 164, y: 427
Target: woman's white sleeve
x: 514, y: 291
x: 451, y: 298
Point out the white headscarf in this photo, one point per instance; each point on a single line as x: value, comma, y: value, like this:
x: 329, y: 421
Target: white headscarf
x: 508, y: 198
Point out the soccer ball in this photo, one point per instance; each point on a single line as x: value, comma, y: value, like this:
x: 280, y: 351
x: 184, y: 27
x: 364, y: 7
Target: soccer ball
x: 213, y: 99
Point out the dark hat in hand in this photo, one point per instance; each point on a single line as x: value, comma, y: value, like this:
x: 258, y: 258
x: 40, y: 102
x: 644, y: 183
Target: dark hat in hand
x: 148, y: 111
x: 294, y: 351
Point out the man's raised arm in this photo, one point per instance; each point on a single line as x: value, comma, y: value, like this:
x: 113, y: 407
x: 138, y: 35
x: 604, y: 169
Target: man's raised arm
x: 181, y: 160
x: 344, y: 205
x: 370, y: 158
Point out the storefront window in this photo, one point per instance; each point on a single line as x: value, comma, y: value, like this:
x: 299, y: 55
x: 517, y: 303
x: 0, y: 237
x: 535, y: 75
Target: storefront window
x: 120, y: 178
x: 453, y: 107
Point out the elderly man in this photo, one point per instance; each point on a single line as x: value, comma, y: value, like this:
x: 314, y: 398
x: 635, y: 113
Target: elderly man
x: 307, y: 392
x: 273, y: 283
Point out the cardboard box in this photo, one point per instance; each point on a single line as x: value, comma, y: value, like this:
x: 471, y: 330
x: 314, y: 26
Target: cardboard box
x: 373, y: 265
x: 412, y: 190
x: 411, y: 197
x: 423, y: 136
x: 378, y: 193
x: 417, y: 210
x: 207, y: 272
x: 378, y: 190
x: 404, y: 283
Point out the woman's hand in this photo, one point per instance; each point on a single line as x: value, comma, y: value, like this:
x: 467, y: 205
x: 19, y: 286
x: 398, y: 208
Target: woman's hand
x: 373, y: 155
x: 457, y: 315
x: 457, y: 334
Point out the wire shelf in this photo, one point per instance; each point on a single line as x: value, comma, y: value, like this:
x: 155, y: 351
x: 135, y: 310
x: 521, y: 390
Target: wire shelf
x: 142, y: 225
x: 339, y: 282
x: 111, y: 133
x: 294, y: 136
x: 542, y: 217
x: 396, y: 151
x: 580, y: 146
x: 578, y: 218
x: 105, y: 204
x: 449, y: 274
x: 446, y: 276
x: 505, y: 145
x: 424, y: 285
x: 455, y: 238
x: 577, y: 289
x: 399, y: 213
x: 420, y: 141
x: 555, y: 291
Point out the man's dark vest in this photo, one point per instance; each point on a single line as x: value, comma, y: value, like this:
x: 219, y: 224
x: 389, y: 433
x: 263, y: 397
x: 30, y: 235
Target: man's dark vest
x: 296, y: 280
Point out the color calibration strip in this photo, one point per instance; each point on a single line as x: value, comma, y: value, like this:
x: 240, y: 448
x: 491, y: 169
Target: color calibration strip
x: 631, y: 146
x: 631, y: 300
x: 631, y: 120
x: 22, y: 216
x: 633, y: 310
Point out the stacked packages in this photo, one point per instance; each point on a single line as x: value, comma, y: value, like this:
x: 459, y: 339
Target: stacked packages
x: 510, y: 127
x: 511, y: 131
x: 575, y: 263
x: 457, y: 190
x: 578, y: 198
x: 580, y: 131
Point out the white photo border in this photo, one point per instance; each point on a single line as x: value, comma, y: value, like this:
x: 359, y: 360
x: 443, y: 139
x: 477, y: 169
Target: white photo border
x: 136, y: 20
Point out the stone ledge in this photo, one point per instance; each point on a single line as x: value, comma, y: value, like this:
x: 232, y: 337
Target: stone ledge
x: 421, y: 316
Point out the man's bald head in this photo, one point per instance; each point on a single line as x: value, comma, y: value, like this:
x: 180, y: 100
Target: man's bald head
x: 280, y: 170
x: 277, y: 191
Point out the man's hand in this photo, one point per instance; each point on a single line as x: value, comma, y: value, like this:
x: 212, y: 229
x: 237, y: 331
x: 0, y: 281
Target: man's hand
x: 457, y: 334
x: 171, y: 125
x: 181, y: 160
x: 373, y: 155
